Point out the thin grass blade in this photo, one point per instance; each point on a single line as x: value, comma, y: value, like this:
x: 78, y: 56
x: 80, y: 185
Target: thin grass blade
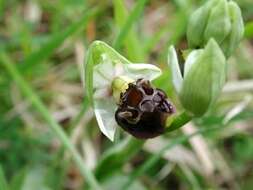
x: 127, y: 34
x: 56, y: 40
x: 3, y: 181
x: 54, y: 126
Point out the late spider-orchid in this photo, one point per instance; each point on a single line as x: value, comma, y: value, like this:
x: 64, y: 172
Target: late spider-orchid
x: 117, y: 89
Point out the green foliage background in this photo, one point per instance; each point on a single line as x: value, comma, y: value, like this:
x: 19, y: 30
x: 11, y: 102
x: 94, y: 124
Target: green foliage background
x: 42, y: 48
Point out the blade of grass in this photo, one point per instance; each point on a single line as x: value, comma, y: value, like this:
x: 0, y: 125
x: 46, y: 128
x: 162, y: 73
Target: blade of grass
x: 56, y: 40
x: 3, y: 182
x: 248, y: 33
x: 127, y: 34
x: 149, y: 163
x: 54, y: 126
x: 178, y: 122
x: 1, y: 7
x: 190, y: 177
x: 116, y: 156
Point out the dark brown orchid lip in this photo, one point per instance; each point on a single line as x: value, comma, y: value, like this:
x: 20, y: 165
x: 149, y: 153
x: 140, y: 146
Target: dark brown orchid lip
x: 143, y: 110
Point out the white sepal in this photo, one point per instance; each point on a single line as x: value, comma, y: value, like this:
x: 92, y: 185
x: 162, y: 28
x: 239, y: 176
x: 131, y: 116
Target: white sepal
x: 191, y: 59
x: 104, y: 111
x: 177, y: 78
x: 141, y: 70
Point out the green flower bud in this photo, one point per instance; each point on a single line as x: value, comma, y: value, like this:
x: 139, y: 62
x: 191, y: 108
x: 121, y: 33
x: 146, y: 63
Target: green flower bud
x: 203, y: 78
x: 237, y: 29
x: 197, y: 25
x: 218, y: 24
x: 218, y: 19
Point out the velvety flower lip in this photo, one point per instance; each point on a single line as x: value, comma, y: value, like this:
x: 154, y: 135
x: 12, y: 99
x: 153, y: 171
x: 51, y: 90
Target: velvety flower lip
x: 103, y: 65
x: 143, y: 110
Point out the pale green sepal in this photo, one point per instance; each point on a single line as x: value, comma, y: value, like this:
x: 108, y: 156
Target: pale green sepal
x: 237, y: 29
x: 177, y: 78
x: 103, y: 72
x: 142, y: 70
x: 204, y: 80
x: 218, y: 24
x: 104, y: 112
x: 191, y: 60
x: 97, y: 53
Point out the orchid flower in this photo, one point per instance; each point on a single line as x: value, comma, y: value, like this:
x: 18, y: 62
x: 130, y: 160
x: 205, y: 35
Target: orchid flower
x: 107, y: 76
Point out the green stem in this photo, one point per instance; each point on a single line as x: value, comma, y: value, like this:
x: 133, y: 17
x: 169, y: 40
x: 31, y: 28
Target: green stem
x: 56, y: 128
x: 179, y: 121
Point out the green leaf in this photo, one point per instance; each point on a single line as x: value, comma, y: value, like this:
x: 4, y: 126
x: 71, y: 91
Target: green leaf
x: 249, y: 30
x: 3, y: 181
x: 18, y: 180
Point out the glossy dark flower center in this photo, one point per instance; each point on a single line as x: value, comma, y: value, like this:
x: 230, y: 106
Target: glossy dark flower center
x: 143, y: 110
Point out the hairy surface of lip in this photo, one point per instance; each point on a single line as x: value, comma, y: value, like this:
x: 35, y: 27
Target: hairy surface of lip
x: 143, y: 110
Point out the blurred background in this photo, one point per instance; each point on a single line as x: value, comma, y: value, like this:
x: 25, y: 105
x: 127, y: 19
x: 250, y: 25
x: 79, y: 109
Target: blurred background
x: 46, y: 40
